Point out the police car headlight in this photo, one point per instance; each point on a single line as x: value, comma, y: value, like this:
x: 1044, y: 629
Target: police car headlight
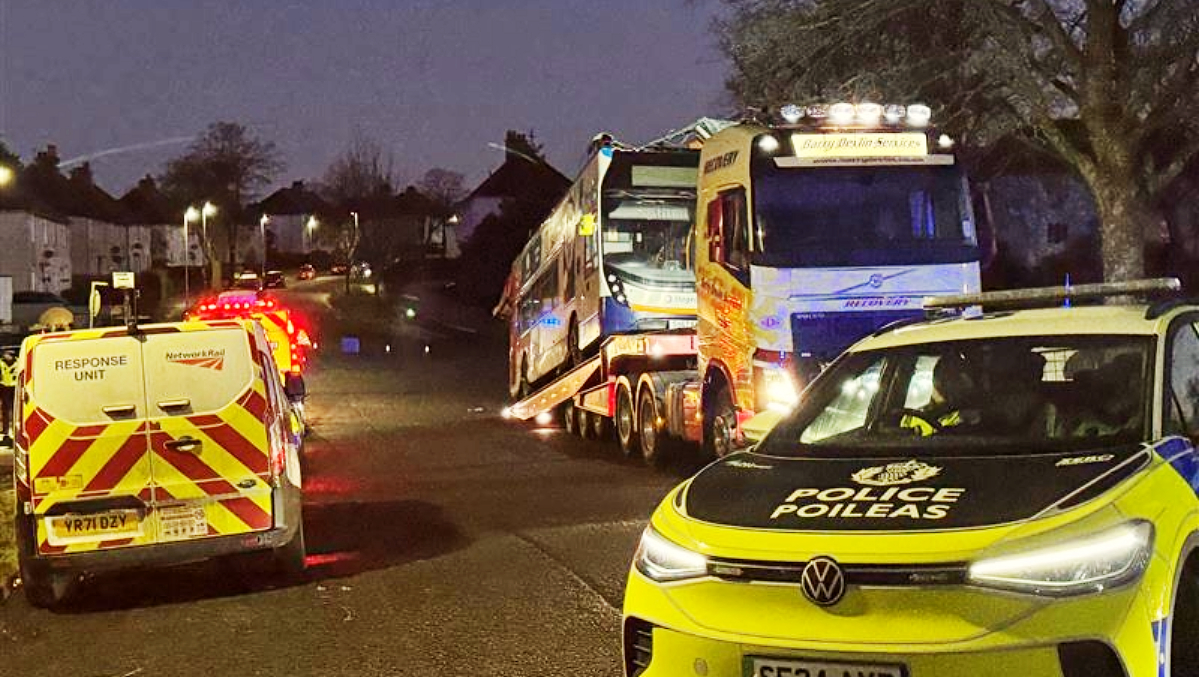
x: 1091, y: 564
x: 663, y: 560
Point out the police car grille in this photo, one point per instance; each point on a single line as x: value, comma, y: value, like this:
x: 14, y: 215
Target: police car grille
x: 638, y: 646
x: 883, y: 575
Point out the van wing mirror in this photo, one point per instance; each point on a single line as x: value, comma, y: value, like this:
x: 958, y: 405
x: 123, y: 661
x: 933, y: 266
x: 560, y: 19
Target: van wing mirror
x: 293, y: 387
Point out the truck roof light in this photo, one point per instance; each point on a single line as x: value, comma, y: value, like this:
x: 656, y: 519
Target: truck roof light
x: 919, y: 115
x: 768, y: 144
x: 791, y: 113
x: 818, y: 111
x: 841, y: 113
x: 945, y: 141
x: 894, y: 113
x: 869, y: 112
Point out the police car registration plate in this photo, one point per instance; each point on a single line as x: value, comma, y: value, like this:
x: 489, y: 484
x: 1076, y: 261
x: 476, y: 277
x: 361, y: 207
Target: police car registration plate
x: 771, y: 667
x: 71, y: 528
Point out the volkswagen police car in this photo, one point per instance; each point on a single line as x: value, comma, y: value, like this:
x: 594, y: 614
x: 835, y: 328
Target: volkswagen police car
x: 1008, y: 492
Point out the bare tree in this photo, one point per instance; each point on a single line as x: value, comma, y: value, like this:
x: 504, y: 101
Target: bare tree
x: 363, y: 171
x: 1110, y: 86
x: 443, y: 186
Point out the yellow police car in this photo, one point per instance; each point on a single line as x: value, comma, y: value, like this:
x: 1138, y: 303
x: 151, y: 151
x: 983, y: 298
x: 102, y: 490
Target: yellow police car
x: 1010, y: 492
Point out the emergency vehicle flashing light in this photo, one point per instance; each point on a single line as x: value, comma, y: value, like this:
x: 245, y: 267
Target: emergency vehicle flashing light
x: 866, y: 113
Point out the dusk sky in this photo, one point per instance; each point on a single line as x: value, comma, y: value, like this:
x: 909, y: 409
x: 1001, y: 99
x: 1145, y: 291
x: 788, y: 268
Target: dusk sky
x: 434, y: 81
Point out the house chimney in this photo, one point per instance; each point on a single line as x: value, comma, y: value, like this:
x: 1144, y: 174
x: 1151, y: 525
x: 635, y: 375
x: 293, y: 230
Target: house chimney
x: 83, y: 174
x: 297, y: 185
x: 147, y: 184
x: 48, y: 157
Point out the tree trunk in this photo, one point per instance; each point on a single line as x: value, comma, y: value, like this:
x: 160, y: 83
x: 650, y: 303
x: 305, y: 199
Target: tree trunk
x: 1123, y: 223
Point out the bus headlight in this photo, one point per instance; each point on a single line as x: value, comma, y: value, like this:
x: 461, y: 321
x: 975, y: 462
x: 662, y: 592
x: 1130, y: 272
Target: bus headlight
x: 1090, y: 564
x: 663, y: 560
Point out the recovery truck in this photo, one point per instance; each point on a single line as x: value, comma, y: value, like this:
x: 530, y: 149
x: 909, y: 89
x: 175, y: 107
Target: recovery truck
x: 810, y: 233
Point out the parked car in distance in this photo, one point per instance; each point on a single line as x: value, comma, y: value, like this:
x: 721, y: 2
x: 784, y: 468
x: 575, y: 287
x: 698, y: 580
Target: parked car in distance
x: 28, y: 306
x: 307, y: 272
x: 338, y: 268
x: 246, y: 280
x: 274, y: 280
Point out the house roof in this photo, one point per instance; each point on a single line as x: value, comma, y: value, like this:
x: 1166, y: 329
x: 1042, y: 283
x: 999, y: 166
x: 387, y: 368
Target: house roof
x: 42, y: 184
x: 146, y: 204
x: 520, y: 177
x: 295, y: 199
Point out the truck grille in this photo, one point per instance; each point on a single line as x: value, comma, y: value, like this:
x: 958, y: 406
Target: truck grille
x: 826, y: 335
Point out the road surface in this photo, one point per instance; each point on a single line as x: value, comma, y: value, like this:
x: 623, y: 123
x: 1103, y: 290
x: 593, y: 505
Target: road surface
x: 443, y: 540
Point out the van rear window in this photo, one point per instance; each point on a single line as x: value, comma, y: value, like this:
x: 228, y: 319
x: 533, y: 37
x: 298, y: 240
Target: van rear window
x: 75, y: 380
x: 208, y: 368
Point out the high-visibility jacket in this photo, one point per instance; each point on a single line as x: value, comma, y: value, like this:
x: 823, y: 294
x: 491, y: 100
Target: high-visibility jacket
x: 8, y: 374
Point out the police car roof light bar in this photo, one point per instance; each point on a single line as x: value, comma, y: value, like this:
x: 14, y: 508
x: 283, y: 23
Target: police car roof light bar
x: 1050, y: 296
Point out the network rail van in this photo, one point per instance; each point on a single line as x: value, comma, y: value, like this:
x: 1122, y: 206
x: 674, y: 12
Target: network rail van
x: 152, y: 445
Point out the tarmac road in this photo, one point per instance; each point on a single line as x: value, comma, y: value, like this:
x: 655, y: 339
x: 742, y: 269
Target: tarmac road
x: 443, y: 540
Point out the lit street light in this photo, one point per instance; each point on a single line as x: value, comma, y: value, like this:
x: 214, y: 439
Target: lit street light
x: 309, y: 226
x: 6, y: 175
x: 262, y: 221
x: 191, y: 215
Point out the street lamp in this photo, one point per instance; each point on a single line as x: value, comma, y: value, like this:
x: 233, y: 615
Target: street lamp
x: 190, y: 216
x: 309, y: 226
x: 6, y: 175
x: 262, y: 221
x: 207, y: 210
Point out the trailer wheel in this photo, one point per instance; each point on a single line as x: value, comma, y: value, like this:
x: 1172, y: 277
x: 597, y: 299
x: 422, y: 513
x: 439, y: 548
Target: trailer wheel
x: 597, y: 426
x: 626, y: 431
x: 655, y: 443
x: 570, y: 418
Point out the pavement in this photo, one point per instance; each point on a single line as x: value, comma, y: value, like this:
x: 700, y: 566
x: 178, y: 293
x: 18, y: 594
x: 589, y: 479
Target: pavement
x: 443, y: 540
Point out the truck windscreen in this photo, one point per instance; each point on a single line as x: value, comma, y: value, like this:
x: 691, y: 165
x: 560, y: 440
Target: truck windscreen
x: 861, y: 216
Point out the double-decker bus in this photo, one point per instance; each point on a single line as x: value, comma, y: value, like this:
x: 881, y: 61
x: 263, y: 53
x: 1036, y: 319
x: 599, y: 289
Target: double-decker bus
x: 613, y: 257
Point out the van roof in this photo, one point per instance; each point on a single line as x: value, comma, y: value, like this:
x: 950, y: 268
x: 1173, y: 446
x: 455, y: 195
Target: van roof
x: 158, y: 328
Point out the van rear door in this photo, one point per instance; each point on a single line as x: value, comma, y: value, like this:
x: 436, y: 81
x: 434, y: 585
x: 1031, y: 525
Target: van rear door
x: 83, y: 429
x: 207, y: 408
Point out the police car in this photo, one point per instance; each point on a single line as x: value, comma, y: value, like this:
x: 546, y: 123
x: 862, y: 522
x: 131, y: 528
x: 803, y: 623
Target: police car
x: 1009, y: 492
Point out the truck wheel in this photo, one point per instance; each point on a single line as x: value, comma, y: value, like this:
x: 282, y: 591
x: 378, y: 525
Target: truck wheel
x: 626, y: 432
x: 720, y: 424
x: 655, y: 442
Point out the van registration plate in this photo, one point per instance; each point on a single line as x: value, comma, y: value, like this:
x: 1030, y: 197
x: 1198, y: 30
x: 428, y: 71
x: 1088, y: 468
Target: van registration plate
x: 771, y: 667
x: 70, y: 528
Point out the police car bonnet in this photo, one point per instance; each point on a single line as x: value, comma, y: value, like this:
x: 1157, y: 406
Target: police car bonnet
x: 792, y: 494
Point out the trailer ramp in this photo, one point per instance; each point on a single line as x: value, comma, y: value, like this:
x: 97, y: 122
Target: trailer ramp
x: 558, y: 391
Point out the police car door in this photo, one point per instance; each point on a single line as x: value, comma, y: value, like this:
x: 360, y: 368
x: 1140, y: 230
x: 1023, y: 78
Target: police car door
x: 82, y: 424
x: 207, y: 402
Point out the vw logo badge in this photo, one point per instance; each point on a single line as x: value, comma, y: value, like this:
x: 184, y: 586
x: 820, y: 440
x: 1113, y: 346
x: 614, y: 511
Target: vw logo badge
x: 823, y: 581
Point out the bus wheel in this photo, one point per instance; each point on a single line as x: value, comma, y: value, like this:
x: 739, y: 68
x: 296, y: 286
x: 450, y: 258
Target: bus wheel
x: 574, y: 352
x: 524, y: 389
x: 720, y: 424
x: 626, y: 432
x: 654, y: 441
x: 570, y: 418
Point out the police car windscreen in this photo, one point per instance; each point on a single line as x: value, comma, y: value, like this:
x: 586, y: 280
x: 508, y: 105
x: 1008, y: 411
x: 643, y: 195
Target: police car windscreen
x: 992, y: 396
